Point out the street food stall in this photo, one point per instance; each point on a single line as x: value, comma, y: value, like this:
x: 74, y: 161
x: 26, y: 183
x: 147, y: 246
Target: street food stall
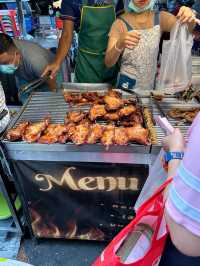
x: 82, y: 182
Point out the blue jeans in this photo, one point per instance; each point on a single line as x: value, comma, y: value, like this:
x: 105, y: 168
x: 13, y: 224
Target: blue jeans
x: 172, y: 257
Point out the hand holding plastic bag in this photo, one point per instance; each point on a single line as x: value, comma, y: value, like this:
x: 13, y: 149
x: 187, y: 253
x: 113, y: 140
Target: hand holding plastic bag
x: 176, y: 62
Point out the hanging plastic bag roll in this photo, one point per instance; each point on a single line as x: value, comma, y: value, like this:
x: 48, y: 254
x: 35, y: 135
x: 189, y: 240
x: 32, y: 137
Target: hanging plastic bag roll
x: 176, y: 61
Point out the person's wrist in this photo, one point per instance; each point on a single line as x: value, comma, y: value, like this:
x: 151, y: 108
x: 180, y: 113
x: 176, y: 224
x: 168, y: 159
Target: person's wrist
x: 119, y: 46
x: 177, y: 148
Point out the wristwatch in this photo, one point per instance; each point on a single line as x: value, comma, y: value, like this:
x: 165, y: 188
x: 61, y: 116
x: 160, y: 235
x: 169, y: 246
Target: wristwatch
x: 173, y: 155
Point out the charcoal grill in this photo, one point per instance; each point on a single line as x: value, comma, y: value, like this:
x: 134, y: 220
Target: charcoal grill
x: 41, y: 104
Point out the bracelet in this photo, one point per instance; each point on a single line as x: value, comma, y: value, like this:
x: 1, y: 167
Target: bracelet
x: 117, y: 49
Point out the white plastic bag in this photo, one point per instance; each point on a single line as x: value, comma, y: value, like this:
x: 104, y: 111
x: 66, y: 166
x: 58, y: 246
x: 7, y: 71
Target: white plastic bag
x: 176, y: 61
x: 157, y: 177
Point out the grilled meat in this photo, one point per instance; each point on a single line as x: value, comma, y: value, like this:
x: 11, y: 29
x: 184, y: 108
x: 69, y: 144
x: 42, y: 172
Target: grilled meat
x: 95, y: 133
x: 80, y: 134
x: 97, y: 111
x: 127, y: 110
x: 113, y: 103
x: 91, y: 96
x: 114, y: 93
x: 52, y: 134
x: 121, y: 136
x: 34, y: 131
x: 71, y: 98
x: 63, y: 138
x: 17, y: 132
x: 114, y: 116
x: 108, y: 135
x: 185, y: 114
x: 138, y: 134
x: 74, y: 117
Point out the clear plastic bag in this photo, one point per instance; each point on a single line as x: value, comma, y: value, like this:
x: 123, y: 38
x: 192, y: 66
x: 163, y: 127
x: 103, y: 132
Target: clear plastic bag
x: 157, y: 177
x: 176, y: 61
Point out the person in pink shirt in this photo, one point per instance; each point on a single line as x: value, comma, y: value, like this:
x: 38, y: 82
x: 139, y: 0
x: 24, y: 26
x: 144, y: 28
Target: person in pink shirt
x: 182, y: 210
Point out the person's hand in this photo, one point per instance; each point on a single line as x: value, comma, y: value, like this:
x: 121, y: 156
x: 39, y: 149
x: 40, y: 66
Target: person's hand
x: 174, y: 142
x: 185, y: 15
x: 51, y: 70
x: 128, y: 40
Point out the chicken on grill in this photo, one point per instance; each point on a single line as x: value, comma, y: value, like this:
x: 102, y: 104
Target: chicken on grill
x: 80, y: 134
x: 114, y: 116
x: 113, y: 103
x: 34, y: 131
x: 108, y: 135
x: 95, y: 133
x: 186, y: 114
x: 74, y: 117
x: 52, y: 133
x: 138, y: 134
x: 127, y: 110
x: 121, y: 136
x: 91, y: 96
x: 96, y: 111
x: 17, y: 132
x: 114, y: 93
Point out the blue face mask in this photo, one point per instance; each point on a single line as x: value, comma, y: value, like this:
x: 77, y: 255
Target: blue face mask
x: 8, y: 69
x: 133, y: 8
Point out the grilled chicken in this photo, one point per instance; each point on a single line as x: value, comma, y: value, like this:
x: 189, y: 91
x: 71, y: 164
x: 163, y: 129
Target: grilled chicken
x: 108, y: 135
x: 34, y: 131
x: 121, y: 136
x: 114, y: 116
x: 96, y: 111
x: 95, y: 133
x: 80, y: 134
x: 127, y: 110
x: 71, y: 98
x: 114, y: 93
x: 186, y: 114
x: 74, y: 117
x: 138, y: 134
x: 17, y: 132
x: 113, y: 103
x: 91, y: 96
x: 53, y: 133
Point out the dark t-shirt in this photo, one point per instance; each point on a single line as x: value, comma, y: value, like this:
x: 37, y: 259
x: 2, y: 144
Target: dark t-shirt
x: 34, y: 60
x: 71, y: 9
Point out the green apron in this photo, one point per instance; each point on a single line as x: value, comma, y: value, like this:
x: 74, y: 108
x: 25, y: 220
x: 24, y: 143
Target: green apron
x: 93, y: 39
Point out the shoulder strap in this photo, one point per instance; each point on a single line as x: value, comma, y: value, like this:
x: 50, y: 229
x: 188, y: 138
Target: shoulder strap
x: 129, y: 27
x: 157, y: 18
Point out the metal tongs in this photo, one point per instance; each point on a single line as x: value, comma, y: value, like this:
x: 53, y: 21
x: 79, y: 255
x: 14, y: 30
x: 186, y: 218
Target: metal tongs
x: 27, y: 88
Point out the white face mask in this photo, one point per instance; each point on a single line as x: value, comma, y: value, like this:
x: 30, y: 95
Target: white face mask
x: 133, y: 8
x: 9, y: 68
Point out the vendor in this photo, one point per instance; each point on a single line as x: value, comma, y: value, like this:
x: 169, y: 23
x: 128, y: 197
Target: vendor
x: 25, y: 59
x: 134, y: 39
x: 93, y: 18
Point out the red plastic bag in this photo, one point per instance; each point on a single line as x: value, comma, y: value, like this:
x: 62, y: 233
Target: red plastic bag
x: 149, y: 216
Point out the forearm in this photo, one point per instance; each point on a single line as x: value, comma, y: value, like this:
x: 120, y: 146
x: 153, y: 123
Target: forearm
x: 65, y: 41
x: 112, y: 56
x: 63, y: 48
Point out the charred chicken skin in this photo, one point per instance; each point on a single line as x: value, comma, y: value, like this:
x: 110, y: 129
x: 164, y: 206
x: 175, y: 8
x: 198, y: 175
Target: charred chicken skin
x: 52, y: 133
x: 114, y: 116
x: 127, y: 110
x: 121, y: 136
x: 34, y: 131
x: 74, y: 117
x: 108, y: 135
x: 17, y: 132
x: 97, y: 111
x: 95, y: 133
x: 113, y: 103
x: 80, y: 134
x: 138, y: 134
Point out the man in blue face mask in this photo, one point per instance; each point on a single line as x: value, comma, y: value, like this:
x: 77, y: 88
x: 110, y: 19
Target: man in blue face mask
x: 26, y: 60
